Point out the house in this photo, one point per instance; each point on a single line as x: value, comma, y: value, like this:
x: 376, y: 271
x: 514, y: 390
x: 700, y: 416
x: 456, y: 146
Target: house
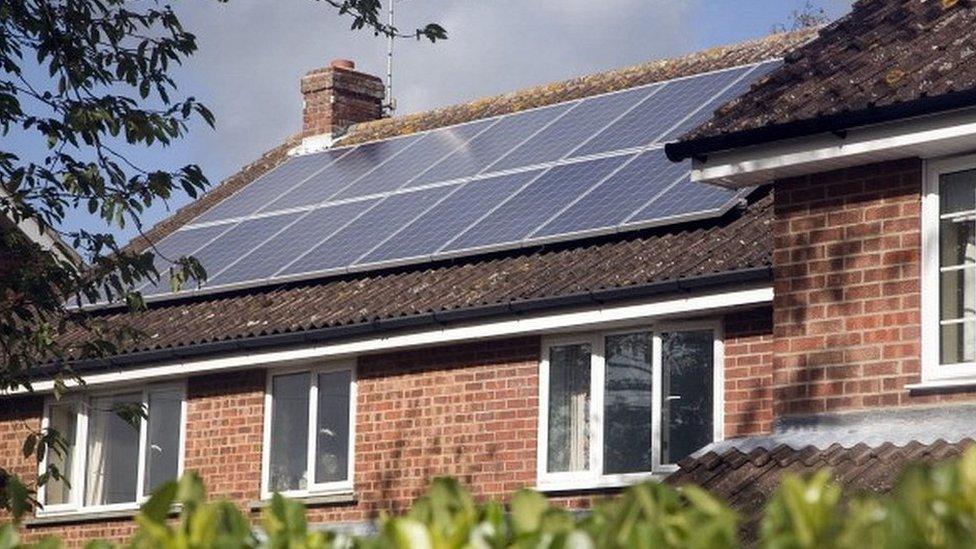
x: 524, y: 291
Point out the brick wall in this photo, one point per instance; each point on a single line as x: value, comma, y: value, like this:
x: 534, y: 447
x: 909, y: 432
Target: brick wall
x: 468, y: 411
x: 847, y: 284
x: 749, y: 373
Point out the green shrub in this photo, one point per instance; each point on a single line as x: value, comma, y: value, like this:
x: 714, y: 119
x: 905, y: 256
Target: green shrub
x: 931, y: 506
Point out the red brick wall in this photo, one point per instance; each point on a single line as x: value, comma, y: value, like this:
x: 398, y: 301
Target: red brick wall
x: 749, y: 373
x: 847, y: 285
x: 468, y: 411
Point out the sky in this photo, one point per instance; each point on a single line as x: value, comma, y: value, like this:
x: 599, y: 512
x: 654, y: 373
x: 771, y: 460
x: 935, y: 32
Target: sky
x: 252, y: 54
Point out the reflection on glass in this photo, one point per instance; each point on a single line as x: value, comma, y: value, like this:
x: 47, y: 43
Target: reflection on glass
x: 956, y: 192
x: 627, y: 404
x: 332, y: 427
x: 957, y: 342
x: 686, y: 393
x: 569, y: 408
x: 63, y: 419
x: 113, y: 450
x: 162, y: 437
x: 289, y: 432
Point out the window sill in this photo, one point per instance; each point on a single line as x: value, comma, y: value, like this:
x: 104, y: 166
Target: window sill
x: 935, y: 385
x: 330, y: 498
x: 70, y: 517
x: 603, y: 484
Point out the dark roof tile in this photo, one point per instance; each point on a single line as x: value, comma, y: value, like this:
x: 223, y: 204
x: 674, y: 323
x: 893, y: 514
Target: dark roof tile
x: 885, y: 52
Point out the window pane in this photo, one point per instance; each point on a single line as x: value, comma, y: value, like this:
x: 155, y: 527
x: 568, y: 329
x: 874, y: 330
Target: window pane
x: 289, y: 432
x: 958, y: 342
x: 62, y: 418
x: 569, y: 408
x: 627, y: 403
x: 957, y: 292
x: 957, y: 192
x: 332, y: 428
x: 113, y: 450
x: 957, y: 245
x: 163, y: 437
x: 686, y: 395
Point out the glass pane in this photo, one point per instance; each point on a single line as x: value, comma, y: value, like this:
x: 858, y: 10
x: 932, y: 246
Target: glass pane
x: 569, y: 408
x: 957, y: 293
x: 686, y: 393
x: 289, y: 432
x: 627, y: 423
x: 332, y: 427
x: 163, y: 437
x: 63, y: 418
x: 957, y: 245
x: 958, y: 342
x: 113, y: 450
x: 957, y: 192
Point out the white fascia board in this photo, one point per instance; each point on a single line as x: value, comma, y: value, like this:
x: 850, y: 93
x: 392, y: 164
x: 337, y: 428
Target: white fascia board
x: 582, y: 319
x: 923, y: 137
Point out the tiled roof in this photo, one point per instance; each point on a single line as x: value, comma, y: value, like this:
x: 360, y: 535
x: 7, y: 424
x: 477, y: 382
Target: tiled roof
x: 747, y: 480
x: 738, y: 241
x: 885, y: 53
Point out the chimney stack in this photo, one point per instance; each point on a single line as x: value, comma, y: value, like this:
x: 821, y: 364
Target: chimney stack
x: 337, y: 97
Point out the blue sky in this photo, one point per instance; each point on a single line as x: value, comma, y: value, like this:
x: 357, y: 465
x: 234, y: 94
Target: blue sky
x: 253, y: 52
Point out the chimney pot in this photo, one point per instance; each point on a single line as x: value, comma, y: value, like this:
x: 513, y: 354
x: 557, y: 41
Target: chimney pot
x: 338, y: 96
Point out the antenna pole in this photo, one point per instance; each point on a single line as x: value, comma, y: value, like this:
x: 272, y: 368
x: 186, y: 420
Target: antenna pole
x: 390, y: 101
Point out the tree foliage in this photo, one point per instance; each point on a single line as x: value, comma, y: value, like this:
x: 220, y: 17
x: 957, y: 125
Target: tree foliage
x: 930, y: 506
x: 83, y: 85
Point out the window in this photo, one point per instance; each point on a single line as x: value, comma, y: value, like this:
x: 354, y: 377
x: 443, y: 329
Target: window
x: 112, y: 463
x: 310, y: 431
x: 616, y: 407
x: 949, y: 270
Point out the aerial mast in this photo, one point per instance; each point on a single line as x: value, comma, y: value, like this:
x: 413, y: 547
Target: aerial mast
x: 390, y: 100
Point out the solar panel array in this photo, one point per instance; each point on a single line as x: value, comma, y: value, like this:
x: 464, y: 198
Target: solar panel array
x: 589, y: 166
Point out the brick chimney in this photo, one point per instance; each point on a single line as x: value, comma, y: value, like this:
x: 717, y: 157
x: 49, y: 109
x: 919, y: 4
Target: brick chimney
x: 338, y: 96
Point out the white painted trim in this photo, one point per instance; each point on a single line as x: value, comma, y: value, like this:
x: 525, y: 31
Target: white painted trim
x: 923, y: 137
x: 313, y: 489
x: 79, y: 458
x: 529, y: 324
x: 592, y: 477
x: 935, y: 374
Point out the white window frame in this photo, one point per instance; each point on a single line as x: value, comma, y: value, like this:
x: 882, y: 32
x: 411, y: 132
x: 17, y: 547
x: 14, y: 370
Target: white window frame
x: 314, y: 489
x: 79, y: 464
x: 593, y: 477
x: 932, y: 371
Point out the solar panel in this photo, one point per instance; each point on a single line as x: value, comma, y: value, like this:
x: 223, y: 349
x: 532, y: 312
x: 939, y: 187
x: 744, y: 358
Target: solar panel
x: 270, y: 186
x: 342, y: 173
x: 565, y: 134
x: 587, y: 166
x: 288, y: 243
x: 610, y: 203
x: 487, y: 147
x: 531, y: 206
x: 398, y: 171
x: 650, y: 119
x: 446, y: 219
x: 371, y: 227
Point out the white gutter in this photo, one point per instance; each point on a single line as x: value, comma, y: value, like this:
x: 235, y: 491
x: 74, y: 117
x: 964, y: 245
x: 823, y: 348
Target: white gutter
x: 924, y: 137
x: 697, y: 304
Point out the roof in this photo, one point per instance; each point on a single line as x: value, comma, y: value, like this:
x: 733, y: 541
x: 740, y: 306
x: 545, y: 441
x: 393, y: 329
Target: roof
x: 739, y: 241
x: 885, y: 60
x: 865, y: 451
x: 747, y: 480
x: 478, y: 285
